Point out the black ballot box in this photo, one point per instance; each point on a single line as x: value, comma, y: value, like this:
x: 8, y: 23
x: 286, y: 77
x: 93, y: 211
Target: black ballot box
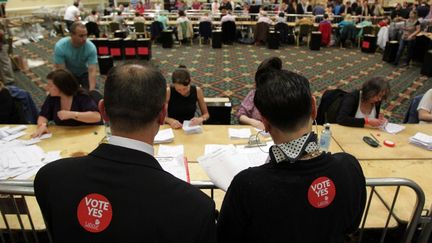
x: 315, y: 41
x: 167, y: 39
x: 217, y: 38
x: 105, y: 64
x: 120, y: 34
x: 273, y: 40
x: 390, y: 51
x: 427, y: 64
x: 369, y: 44
x: 219, y: 109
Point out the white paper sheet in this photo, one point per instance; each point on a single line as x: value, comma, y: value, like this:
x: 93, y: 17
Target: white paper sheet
x: 393, y: 128
x: 170, y: 150
x: 191, y: 129
x: 176, y: 166
x: 164, y: 136
x: 210, y: 148
x: 238, y: 133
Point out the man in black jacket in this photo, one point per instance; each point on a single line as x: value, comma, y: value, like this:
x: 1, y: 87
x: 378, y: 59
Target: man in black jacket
x: 119, y: 192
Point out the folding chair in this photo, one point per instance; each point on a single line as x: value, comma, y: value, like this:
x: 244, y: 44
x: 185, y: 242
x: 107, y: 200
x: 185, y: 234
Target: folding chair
x: 19, y: 216
x: 304, y: 30
x: 205, y: 30
x: 140, y: 30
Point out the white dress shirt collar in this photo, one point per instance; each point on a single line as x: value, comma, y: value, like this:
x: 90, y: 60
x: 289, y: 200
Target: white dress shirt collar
x: 131, y: 144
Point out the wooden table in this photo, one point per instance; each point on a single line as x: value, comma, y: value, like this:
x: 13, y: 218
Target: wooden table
x: 351, y: 141
x: 216, y: 134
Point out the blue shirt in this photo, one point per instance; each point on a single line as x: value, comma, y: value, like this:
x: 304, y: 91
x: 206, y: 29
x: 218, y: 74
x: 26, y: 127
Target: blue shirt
x: 163, y: 20
x: 76, y: 59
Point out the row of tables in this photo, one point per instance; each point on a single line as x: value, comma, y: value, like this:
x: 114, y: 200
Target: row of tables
x: 404, y: 160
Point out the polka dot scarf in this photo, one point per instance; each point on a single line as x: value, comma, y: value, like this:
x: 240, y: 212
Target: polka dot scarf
x: 293, y: 150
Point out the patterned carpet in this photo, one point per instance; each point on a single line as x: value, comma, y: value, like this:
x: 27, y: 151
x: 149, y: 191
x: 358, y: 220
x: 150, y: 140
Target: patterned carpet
x: 229, y: 71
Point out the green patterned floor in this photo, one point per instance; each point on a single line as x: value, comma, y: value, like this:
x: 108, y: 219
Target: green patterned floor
x: 229, y: 71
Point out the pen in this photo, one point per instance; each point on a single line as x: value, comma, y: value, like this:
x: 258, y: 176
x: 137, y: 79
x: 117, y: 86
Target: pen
x: 375, y: 138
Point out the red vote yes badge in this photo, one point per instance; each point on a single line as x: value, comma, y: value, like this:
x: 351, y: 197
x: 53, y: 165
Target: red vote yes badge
x: 321, y: 192
x: 94, y: 213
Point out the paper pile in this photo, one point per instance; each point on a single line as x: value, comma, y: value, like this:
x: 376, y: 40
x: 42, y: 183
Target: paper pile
x: 393, y: 128
x: 164, y: 136
x: 422, y: 140
x: 176, y: 166
x: 8, y: 134
x: 235, y: 133
x: 191, y: 129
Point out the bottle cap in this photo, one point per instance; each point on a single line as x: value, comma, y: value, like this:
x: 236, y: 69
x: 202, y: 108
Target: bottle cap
x: 389, y: 143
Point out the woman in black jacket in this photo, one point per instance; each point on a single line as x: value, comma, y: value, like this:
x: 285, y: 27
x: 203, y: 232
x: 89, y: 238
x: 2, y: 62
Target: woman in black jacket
x: 361, y: 108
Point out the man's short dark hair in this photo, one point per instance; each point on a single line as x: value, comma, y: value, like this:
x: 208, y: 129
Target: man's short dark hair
x: 75, y: 25
x: 134, y: 96
x: 284, y: 99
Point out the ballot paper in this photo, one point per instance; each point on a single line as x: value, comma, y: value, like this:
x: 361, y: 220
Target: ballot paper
x: 210, y: 148
x: 191, y: 129
x: 238, y: 133
x: 176, y: 166
x: 170, y: 150
x: 164, y: 136
x: 422, y: 140
x: 13, y: 136
x: 37, y: 139
x: 16, y: 129
x: 223, y: 164
x: 393, y: 128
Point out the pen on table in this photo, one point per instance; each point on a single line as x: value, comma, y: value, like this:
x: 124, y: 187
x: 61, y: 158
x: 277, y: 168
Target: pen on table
x: 375, y: 138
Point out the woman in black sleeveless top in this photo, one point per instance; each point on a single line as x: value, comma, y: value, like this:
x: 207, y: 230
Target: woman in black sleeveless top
x: 182, y: 98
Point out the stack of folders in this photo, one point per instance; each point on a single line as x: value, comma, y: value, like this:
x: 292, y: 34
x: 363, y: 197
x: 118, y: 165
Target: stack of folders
x: 191, y: 129
x: 164, y: 136
x: 422, y: 140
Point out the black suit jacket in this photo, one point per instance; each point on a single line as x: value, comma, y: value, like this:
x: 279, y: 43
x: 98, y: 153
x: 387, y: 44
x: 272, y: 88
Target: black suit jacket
x: 148, y: 204
x: 348, y: 109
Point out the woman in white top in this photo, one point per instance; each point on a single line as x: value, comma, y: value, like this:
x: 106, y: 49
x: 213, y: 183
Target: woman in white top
x: 425, y: 108
x: 215, y: 7
x: 361, y: 108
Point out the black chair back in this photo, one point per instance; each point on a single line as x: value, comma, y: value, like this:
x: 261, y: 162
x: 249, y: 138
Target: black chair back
x: 228, y: 32
x: 92, y: 29
x: 205, y: 29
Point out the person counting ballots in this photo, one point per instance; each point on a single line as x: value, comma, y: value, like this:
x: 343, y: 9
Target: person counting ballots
x: 119, y: 192
x: 302, y: 194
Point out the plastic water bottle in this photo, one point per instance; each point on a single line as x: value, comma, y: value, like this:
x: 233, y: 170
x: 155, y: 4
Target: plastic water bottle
x: 325, y: 138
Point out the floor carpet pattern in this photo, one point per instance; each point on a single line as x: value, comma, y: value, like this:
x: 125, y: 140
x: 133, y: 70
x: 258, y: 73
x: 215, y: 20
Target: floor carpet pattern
x: 229, y: 72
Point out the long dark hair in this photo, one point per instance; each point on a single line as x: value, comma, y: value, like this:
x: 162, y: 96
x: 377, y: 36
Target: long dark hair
x: 65, y: 82
x: 373, y: 87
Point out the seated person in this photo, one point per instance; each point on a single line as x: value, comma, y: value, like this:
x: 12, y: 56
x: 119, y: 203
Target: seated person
x: 8, y: 111
x: 138, y: 18
x: 347, y: 30
x: 163, y: 19
x: 182, y: 98
x: 264, y: 18
x: 93, y: 17
x: 120, y: 184
x: 184, y: 27
x: 196, y: 5
x: 67, y: 104
x: 301, y: 194
x: 247, y: 113
x: 281, y: 18
x: 226, y: 16
x: 140, y: 8
x: 120, y: 19
x: 425, y: 108
x: 361, y: 108
x: 205, y: 18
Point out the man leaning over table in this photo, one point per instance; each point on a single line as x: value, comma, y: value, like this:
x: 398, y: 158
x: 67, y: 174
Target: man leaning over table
x: 119, y: 192
x: 78, y: 55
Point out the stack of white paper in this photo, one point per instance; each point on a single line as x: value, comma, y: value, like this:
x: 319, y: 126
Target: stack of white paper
x: 422, y: 140
x: 210, y: 148
x: 164, y: 136
x: 223, y: 164
x: 191, y: 129
x: 176, y: 166
x: 8, y: 134
x: 393, y: 128
x: 235, y: 133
